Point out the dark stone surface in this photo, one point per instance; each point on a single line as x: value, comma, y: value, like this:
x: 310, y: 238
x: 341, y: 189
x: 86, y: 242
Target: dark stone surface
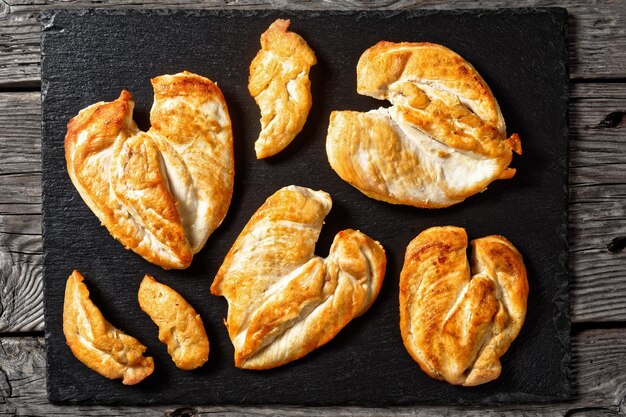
x: 90, y: 56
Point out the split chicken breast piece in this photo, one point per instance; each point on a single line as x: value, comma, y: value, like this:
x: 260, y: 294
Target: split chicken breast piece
x: 442, y: 140
x: 283, y: 301
x: 457, y: 318
x: 96, y: 343
x: 161, y: 193
x: 279, y: 82
x: 180, y: 327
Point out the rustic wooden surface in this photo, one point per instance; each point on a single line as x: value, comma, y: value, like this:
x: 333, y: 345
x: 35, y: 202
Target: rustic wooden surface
x: 597, y: 212
x: 597, y: 27
x: 598, y: 366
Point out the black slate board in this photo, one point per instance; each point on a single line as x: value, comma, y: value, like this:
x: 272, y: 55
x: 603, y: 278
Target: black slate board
x: 90, y: 56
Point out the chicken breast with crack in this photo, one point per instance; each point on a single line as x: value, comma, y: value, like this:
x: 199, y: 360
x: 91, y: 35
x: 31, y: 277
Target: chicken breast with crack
x: 458, y: 317
x: 442, y: 140
x: 161, y: 193
x: 283, y: 301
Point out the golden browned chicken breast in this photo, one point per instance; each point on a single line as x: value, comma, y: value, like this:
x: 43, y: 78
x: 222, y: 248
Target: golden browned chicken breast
x: 442, y: 140
x: 279, y: 83
x: 458, y: 318
x: 161, y: 193
x: 283, y: 301
x: 96, y: 343
x: 180, y: 327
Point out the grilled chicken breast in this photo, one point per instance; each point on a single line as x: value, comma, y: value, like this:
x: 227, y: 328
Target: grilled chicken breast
x: 457, y: 318
x: 283, y: 301
x: 161, y: 193
x: 96, y: 343
x: 279, y: 83
x: 442, y: 140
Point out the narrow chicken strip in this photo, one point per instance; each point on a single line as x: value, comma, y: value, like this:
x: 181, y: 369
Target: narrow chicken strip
x: 96, y: 343
x: 180, y: 327
x: 279, y: 82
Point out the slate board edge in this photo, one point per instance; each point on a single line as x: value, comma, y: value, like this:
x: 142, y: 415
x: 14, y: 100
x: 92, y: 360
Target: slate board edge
x: 47, y: 16
x: 565, y: 317
x: 47, y: 19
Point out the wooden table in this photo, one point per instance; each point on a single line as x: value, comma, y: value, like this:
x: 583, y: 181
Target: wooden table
x: 597, y: 232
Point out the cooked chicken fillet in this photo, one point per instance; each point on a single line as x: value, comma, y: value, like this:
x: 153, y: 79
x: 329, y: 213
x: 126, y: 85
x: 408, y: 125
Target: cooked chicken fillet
x: 283, y: 301
x: 458, y: 318
x: 442, y: 140
x: 161, y: 193
x: 279, y: 83
x: 96, y: 343
x: 180, y: 327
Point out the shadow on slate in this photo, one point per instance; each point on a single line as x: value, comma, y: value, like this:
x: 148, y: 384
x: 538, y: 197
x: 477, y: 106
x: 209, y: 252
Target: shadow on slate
x: 90, y: 56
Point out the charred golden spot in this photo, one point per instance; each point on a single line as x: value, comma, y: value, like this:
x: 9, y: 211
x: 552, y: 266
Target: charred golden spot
x: 457, y: 322
x: 435, y: 246
x: 183, y: 87
x: 442, y: 260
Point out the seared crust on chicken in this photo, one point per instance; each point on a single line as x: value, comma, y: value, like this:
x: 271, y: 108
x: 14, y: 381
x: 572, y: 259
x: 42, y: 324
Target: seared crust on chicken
x: 161, y: 193
x: 180, y: 327
x: 279, y: 83
x: 96, y: 343
x: 442, y: 140
x: 283, y: 301
x: 457, y: 318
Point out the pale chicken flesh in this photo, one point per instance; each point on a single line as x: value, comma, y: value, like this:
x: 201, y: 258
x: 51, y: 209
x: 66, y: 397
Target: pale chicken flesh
x: 279, y: 82
x: 458, y: 317
x: 161, y: 193
x: 442, y: 140
x: 283, y: 301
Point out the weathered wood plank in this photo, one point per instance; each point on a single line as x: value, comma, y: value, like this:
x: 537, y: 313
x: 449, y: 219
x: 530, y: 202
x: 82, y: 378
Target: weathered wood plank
x: 21, y: 285
x: 21, y: 290
x: 597, y: 202
x: 20, y: 147
x: 597, y: 212
x: 20, y: 150
x: 597, y: 28
x: 598, y: 375
x: 597, y: 207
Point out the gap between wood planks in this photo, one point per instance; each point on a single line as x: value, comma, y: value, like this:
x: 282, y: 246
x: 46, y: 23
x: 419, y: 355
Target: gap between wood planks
x: 613, y: 120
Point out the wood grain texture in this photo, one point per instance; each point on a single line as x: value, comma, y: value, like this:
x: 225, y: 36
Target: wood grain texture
x: 21, y: 286
x: 598, y: 370
x: 597, y: 208
x: 597, y: 28
x: 597, y: 203
x: 597, y: 211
